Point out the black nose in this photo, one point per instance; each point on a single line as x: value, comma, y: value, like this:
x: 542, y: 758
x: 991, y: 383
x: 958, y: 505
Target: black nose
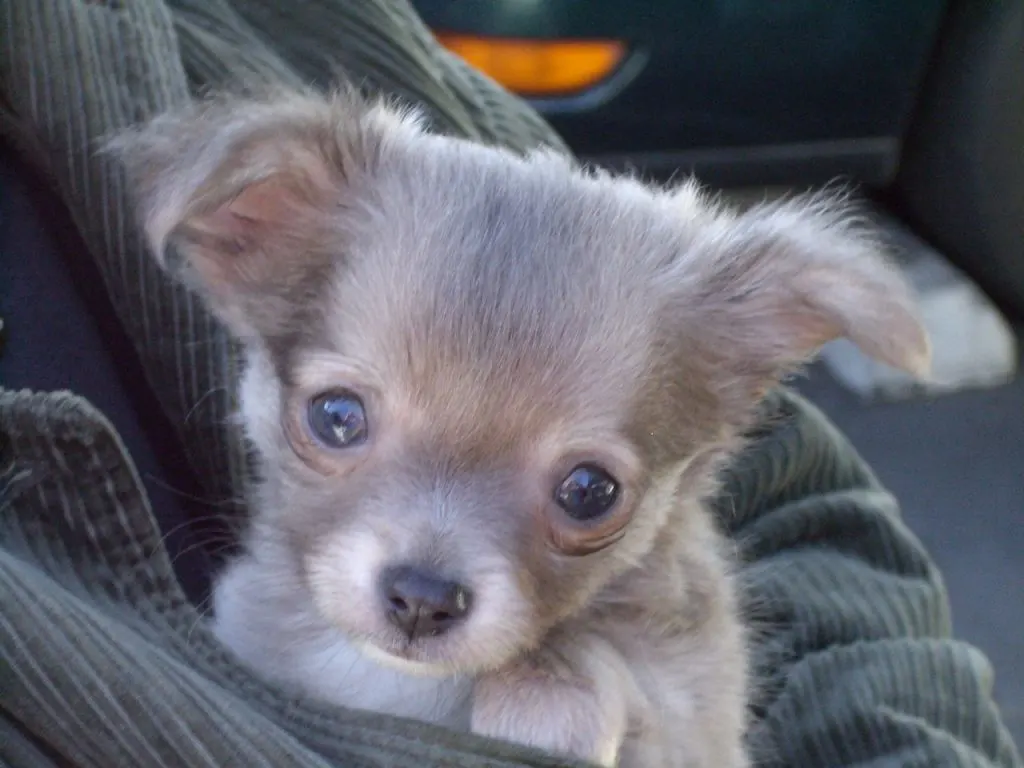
x: 421, y: 603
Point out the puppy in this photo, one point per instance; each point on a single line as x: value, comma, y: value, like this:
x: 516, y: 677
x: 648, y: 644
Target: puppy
x: 490, y: 395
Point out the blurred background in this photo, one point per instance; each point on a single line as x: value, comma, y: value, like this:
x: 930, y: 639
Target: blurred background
x: 920, y: 105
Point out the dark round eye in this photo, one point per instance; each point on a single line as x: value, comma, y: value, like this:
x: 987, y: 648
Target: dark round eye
x: 588, y: 492
x: 338, y: 419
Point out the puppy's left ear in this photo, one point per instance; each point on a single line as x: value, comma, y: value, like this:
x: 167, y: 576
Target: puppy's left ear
x: 761, y: 292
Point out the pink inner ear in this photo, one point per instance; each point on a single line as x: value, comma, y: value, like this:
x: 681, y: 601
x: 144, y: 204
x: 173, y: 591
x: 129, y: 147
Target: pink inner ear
x: 263, y: 203
x: 807, y: 326
x: 243, y: 240
x: 291, y: 198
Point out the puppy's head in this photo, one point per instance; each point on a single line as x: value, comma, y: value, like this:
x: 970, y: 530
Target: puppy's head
x: 482, y: 385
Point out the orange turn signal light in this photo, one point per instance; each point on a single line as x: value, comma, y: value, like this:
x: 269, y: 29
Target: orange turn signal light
x: 538, y: 67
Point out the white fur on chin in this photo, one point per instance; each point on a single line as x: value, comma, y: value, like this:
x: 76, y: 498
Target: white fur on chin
x: 267, y: 623
x: 407, y: 666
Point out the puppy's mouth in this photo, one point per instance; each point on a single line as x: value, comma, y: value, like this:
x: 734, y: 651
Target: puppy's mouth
x: 407, y: 657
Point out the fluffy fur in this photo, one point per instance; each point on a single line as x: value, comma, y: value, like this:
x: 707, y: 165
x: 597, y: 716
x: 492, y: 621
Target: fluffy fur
x: 503, y: 319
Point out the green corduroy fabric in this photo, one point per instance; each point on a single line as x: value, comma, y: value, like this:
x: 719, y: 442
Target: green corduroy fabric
x: 104, y: 663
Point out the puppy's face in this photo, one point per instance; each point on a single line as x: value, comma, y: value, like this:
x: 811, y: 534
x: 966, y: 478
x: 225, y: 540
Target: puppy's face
x: 482, y: 386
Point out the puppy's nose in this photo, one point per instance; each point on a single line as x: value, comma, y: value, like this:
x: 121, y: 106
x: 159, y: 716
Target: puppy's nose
x: 421, y: 603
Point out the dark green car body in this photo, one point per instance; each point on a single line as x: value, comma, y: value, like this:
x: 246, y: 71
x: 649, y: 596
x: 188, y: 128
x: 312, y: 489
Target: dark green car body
x: 741, y: 90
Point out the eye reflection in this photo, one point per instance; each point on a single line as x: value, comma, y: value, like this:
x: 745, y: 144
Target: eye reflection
x: 587, y: 493
x: 338, y: 419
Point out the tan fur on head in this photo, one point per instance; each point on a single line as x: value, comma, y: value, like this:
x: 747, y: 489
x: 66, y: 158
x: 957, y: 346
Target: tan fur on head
x: 501, y: 320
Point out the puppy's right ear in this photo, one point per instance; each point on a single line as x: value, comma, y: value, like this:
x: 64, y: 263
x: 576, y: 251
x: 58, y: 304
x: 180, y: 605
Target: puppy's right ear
x: 236, y: 195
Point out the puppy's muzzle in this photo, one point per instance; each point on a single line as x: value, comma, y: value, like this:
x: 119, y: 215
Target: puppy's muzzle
x: 421, y: 603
